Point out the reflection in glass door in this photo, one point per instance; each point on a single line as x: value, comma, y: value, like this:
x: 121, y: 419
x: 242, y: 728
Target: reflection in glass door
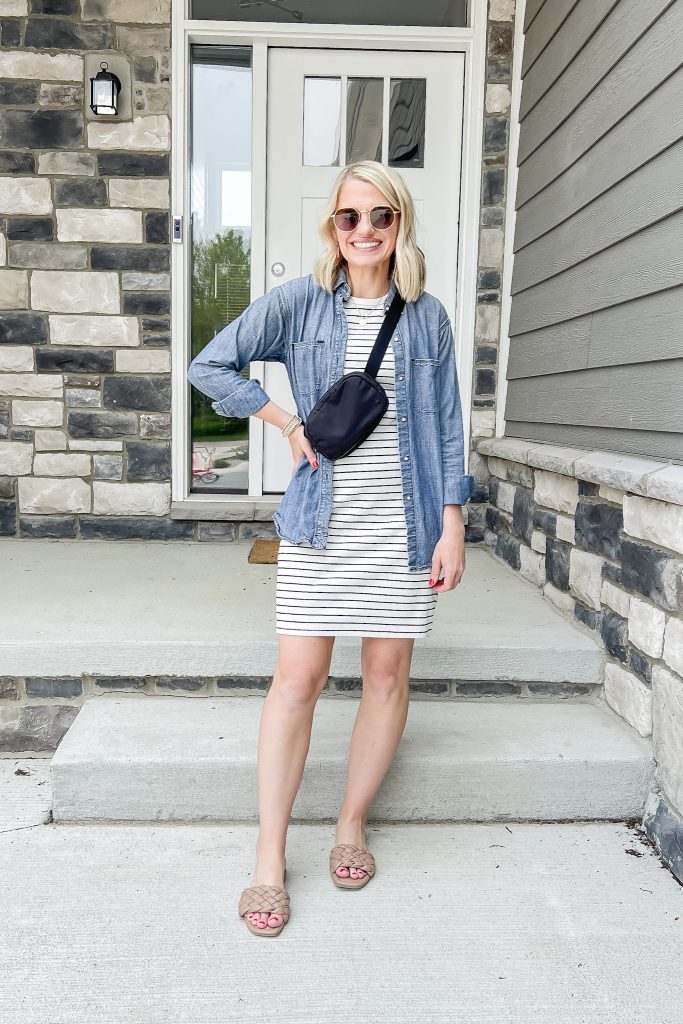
x: 220, y: 203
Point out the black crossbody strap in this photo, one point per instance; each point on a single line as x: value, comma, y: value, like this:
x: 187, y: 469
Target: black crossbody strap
x: 386, y: 330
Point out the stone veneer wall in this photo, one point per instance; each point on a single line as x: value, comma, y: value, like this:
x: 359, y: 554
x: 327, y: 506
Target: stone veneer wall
x: 602, y: 535
x: 85, y: 387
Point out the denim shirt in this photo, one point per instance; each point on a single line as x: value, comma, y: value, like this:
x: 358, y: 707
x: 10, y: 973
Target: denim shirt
x: 302, y: 325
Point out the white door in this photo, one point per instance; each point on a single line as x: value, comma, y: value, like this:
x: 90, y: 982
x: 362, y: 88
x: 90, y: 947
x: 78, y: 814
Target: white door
x: 327, y: 108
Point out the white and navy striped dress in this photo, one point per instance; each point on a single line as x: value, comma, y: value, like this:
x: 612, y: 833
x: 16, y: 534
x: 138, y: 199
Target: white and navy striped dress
x: 360, y: 584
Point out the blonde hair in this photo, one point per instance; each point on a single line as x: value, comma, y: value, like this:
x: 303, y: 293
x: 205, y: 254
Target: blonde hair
x: 407, y: 265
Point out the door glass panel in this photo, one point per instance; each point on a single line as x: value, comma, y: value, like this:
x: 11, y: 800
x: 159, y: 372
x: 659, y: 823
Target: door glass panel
x: 407, y: 122
x: 322, y: 118
x: 364, y: 119
x: 436, y: 13
x: 220, y: 201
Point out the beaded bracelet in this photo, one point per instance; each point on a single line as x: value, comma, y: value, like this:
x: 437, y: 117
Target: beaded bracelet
x: 291, y: 425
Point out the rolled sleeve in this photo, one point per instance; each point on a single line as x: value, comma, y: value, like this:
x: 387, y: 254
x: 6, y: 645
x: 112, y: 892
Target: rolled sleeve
x: 258, y: 333
x: 458, y: 486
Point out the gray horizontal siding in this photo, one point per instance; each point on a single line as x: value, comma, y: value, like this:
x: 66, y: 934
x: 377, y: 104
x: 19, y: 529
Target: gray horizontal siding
x: 655, y: 56
x: 596, y: 335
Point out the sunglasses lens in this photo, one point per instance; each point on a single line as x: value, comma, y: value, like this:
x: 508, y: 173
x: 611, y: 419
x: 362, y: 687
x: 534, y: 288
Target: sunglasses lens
x: 346, y: 220
x: 382, y: 217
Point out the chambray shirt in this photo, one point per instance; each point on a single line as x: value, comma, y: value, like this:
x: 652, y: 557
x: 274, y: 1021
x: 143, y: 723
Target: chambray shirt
x: 302, y: 325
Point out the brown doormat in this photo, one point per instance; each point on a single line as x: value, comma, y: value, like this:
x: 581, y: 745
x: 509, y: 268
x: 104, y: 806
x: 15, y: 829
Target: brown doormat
x: 264, y: 551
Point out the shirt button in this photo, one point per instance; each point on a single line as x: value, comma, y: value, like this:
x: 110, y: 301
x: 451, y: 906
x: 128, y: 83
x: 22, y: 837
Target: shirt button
x: 407, y: 497
x: 405, y: 458
x: 403, y: 419
x: 400, y: 376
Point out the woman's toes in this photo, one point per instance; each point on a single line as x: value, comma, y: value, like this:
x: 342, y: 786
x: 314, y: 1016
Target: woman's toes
x: 343, y: 871
x: 359, y: 872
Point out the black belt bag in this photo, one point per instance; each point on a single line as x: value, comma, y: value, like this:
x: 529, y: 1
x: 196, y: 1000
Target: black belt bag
x: 350, y: 410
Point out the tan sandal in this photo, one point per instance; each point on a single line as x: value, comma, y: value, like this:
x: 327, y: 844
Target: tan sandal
x: 352, y: 857
x: 262, y: 899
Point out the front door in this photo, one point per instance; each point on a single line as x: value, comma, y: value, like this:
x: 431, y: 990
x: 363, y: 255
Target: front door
x: 327, y: 108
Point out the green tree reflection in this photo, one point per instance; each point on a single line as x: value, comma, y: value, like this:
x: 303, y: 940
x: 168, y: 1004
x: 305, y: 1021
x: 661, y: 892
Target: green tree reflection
x: 220, y: 292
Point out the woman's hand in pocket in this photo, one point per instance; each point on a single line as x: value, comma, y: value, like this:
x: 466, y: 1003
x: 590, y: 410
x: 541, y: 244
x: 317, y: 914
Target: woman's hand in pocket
x: 301, y: 446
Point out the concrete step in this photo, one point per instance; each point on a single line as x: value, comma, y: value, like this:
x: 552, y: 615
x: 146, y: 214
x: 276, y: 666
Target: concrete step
x: 134, y: 609
x: 177, y: 759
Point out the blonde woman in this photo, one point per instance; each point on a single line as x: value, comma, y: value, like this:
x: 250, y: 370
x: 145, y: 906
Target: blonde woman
x: 368, y: 542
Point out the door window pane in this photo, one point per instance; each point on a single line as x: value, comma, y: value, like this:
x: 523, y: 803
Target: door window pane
x: 407, y: 122
x: 364, y: 119
x: 220, y: 199
x: 434, y: 13
x: 322, y: 119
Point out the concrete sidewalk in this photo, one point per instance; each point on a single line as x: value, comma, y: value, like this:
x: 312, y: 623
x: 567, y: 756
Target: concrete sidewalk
x: 481, y: 924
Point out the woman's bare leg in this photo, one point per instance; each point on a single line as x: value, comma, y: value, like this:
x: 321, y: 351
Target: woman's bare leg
x: 284, y: 738
x: 379, y: 725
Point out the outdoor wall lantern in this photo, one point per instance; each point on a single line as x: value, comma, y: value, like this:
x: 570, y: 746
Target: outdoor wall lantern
x: 104, y: 91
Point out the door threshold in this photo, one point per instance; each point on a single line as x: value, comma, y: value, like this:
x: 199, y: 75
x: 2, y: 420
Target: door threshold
x: 226, y: 507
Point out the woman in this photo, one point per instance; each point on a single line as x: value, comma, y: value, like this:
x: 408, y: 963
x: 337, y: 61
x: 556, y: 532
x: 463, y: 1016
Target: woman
x: 366, y: 542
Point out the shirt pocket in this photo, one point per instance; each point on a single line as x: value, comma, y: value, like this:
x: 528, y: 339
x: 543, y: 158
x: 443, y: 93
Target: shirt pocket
x: 307, y: 358
x: 423, y: 377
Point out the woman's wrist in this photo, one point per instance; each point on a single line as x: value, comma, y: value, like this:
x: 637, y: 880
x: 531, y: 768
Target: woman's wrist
x: 452, y: 518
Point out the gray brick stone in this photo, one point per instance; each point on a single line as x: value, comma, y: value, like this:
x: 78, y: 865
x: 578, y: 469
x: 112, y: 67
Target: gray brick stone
x: 132, y: 165
x: 216, y: 531
x: 80, y: 192
x: 48, y: 255
x: 9, y: 688
x: 157, y: 228
x: 653, y: 574
x: 120, y: 683
x: 101, y: 424
x: 22, y: 93
x: 614, y: 632
x: 53, y: 526
x: 40, y: 687
x: 130, y: 257
x: 139, y: 303
x: 148, y: 461
x: 507, y: 548
x: 13, y: 162
x: 71, y: 360
x: 488, y: 689
x: 60, y: 34
x: 41, y: 129
x: 557, y: 554
x: 598, y: 526
x: 8, y: 519
x: 523, y: 513
x: 152, y: 394
x: 30, y: 229
x: 134, y: 528
x: 34, y: 728
x: 107, y: 467
x: 188, y: 684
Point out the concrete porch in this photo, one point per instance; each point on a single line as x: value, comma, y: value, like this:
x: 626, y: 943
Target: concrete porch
x: 142, y: 608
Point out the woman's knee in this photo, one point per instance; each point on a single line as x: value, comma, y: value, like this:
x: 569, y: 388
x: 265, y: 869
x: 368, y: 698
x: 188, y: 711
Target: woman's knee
x: 386, y: 668
x: 302, y: 668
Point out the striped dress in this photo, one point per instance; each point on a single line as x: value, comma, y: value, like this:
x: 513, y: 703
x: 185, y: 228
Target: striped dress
x: 360, y: 584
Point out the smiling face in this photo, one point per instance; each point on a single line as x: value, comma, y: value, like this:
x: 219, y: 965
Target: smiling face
x: 366, y: 246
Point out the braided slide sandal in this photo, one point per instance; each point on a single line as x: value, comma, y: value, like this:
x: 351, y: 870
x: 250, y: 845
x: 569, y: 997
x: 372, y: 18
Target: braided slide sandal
x: 351, y: 856
x: 263, y: 899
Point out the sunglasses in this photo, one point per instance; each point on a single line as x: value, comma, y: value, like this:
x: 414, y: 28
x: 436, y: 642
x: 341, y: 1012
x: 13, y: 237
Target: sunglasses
x: 381, y: 218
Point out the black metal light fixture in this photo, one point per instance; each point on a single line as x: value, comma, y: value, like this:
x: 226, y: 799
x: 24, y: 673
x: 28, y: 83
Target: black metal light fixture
x: 104, y: 91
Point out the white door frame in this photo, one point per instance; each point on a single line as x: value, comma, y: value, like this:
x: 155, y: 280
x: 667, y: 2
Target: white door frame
x: 471, y: 41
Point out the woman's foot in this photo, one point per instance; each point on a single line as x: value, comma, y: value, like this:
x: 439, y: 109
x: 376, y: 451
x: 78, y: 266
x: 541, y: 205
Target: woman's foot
x: 269, y: 870
x: 352, y: 832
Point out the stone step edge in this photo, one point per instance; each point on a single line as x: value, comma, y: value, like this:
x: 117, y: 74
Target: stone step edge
x: 15, y: 690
